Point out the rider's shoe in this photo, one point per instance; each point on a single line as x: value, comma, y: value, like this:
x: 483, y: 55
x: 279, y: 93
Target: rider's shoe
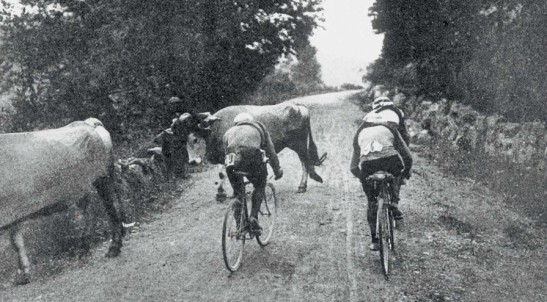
x: 397, y: 214
x: 374, y: 246
x: 255, y: 227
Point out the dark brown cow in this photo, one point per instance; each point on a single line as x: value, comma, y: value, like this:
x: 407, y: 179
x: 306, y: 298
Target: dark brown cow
x: 288, y: 124
x: 42, y: 170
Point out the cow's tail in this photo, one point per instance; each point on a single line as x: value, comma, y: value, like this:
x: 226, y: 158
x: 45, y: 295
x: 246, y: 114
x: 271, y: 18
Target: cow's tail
x: 313, y: 154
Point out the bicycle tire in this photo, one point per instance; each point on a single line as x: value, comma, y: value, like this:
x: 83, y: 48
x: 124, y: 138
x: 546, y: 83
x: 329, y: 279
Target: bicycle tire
x: 392, y: 226
x: 383, y: 235
x: 267, y: 215
x: 232, y: 238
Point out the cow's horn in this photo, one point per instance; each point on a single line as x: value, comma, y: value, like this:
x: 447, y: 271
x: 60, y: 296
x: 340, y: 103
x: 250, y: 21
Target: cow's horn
x: 203, y: 115
x: 211, y: 118
x: 207, y: 117
x: 200, y: 126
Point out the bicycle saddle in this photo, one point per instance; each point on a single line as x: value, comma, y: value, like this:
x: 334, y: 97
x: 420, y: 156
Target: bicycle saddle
x: 381, y: 175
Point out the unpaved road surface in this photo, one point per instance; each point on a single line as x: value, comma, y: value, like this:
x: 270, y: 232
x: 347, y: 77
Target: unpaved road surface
x: 459, y: 242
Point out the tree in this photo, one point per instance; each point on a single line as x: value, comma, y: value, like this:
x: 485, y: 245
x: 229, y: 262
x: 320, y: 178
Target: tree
x: 120, y: 60
x: 490, y: 53
x: 306, y: 73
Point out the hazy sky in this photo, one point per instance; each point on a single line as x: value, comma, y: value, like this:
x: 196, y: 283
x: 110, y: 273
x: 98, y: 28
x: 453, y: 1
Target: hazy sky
x: 347, y: 44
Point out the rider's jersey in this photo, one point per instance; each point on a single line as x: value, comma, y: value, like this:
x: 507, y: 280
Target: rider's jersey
x: 376, y: 142
x: 242, y: 136
x: 247, y: 137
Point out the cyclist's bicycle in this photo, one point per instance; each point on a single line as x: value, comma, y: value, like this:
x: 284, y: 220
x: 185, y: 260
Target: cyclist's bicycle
x: 383, y: 184
x: 236, y: 228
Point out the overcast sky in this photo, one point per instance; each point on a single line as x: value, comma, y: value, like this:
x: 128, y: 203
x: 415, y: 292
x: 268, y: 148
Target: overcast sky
x: 347, y: 44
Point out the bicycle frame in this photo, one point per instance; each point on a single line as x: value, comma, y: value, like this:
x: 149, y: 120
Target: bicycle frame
x: 383, y: 188
x: 243, y: 200
x: 236, y: 227
x: 383, y: 185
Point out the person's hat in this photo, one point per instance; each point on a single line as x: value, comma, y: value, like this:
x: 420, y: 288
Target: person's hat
x: 381, y: 102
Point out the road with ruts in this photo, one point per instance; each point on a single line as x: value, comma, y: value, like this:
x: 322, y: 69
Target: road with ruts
x: 459, y: 241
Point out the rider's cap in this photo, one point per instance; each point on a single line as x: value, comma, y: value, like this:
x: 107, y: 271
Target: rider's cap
x: 243, y: 117
x: 381, y: 102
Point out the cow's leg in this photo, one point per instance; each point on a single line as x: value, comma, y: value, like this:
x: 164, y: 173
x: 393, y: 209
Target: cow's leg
x: 221, y: 192
x: 23, y: 269
x: 307, y: 169
x: 89, y: 224
x: 108, y: 194
x: 304, y: 180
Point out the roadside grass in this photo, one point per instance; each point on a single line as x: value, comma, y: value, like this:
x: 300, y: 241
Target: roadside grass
x: 465, y: 237
x: 522, y: 188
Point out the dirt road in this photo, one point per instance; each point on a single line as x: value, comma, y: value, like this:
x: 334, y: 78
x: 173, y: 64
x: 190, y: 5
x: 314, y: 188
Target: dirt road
x: 459, y: 242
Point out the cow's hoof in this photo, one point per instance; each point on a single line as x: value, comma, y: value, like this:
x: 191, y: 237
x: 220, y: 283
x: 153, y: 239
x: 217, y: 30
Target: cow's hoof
x: 316, y: 177
x: 221, y: 197
x: 22, y: 279
x: 301, y: 190
x: 113, y: 251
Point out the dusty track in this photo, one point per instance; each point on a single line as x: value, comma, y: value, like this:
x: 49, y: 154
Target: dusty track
x: 459, y: 242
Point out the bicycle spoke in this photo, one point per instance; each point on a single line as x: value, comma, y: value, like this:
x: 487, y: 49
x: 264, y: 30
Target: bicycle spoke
x: 267, y: 215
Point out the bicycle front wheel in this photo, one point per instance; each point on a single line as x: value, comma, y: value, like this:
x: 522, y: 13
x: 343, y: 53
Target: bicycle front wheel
x: 233, y: 236
x: 267, y: 215
x: 384, y: 236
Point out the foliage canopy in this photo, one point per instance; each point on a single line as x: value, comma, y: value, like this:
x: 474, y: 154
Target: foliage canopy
x: 121, y: 60
x: 490, y: 53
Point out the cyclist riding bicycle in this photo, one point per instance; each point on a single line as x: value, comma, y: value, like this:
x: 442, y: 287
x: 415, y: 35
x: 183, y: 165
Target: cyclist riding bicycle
x: 381, y: 144
x: 248, y: 147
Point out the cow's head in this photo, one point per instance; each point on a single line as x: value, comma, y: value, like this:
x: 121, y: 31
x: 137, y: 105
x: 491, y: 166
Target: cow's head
x: 196, y: 147
x: 199, y: 123
x: 193, y: 129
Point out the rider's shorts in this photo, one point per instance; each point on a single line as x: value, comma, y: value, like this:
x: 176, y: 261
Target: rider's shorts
x: 392, y: 164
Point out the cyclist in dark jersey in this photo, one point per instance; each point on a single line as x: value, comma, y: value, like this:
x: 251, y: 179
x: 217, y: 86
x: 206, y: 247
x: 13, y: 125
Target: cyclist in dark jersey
x: 380, y: 146
x: 248, y: 147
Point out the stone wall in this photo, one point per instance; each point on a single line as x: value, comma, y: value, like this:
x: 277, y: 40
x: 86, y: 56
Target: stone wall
x: 470, y: 131
x: 136, y: 179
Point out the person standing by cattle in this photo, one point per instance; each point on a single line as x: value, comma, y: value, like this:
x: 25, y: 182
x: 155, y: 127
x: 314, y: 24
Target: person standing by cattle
x: 173, y: 147
x: 248, y: 147
x: 381, y: 144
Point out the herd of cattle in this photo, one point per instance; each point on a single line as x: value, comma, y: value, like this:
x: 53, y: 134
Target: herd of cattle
x: 43, y: 171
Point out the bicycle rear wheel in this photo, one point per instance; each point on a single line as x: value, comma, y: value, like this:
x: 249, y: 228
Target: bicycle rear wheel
x: 384, y: 236
x: 233, y: 237
x: 392, y: 226
x: 267, y: 215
